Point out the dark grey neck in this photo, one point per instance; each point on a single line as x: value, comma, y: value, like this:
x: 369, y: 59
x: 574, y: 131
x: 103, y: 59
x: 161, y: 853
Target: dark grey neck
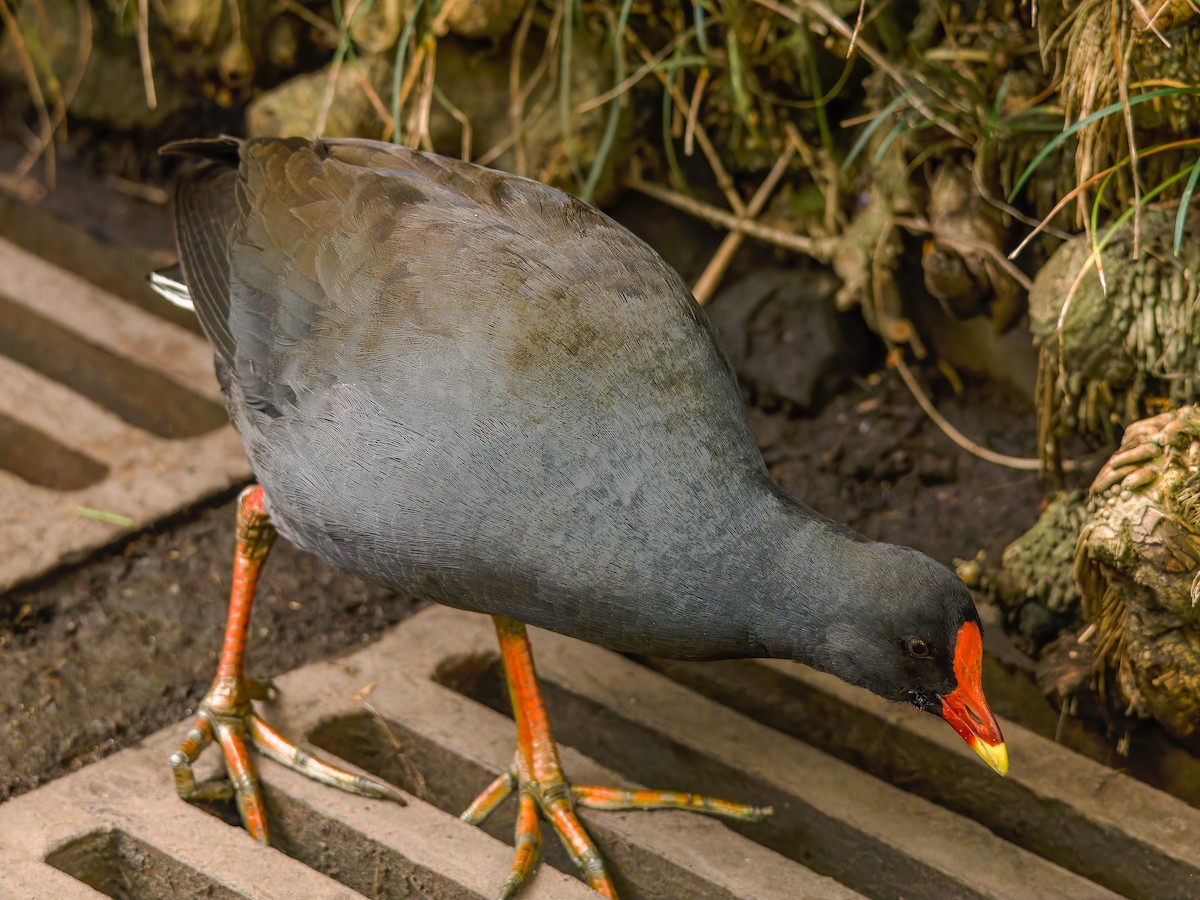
x: 783, y: 579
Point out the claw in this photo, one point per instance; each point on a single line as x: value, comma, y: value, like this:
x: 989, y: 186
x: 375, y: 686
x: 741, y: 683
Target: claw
x: 244, y: 779
x: 579, y: 844
x: 528, y: 844
x: 272, y: 744
x: 493, y: 795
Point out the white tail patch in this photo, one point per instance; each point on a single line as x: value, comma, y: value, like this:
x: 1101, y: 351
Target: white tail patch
x: 175, y: 291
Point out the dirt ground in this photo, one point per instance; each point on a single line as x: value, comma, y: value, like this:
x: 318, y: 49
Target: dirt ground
x: 94, y: 658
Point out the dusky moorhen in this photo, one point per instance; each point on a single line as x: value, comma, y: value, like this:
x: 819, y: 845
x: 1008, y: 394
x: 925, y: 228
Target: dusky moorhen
x: 473, y: 387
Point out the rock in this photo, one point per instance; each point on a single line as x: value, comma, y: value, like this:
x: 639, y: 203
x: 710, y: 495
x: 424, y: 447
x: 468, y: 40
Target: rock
x: 374, y: 24
x: 476, y: 81
x: 481, y: 18
x: 785, y: 338
x: 292, y: 108
x: 191, y: 22
x: 111, y: 90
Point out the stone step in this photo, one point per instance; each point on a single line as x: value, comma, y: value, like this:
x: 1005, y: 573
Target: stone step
x: 103, y: 406
x: 914, y: 816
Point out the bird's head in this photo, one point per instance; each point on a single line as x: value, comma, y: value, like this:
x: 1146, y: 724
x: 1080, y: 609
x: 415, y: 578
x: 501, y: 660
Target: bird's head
x: 918, y: 639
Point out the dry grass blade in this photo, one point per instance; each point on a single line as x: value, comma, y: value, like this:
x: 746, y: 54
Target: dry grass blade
x: 423, y: 138
x: 618, y: 89
x: 1151, y: 21
x: 516, y: 94
x: 1083, y: 185
x: 45, y: 142
x: 372, y: 95
x: 460, y: 117
x: 335, y: 71
x: 693, y: 116
x: 519, y: 93
x: 820, y: 249
x: 61, y: 98
x: 1121, y: 51
x: 858, y: 23
x: 83, y: 56
x: 101, y: 515
x: 310, y: 18
x: 608, y: 137
x: 413, y: 68
x: 1020, y: 463
x: 724, y: 180
x: 710, y: 278
x: 412, y: 771
x: 143, y: 42
x: 873, y: 56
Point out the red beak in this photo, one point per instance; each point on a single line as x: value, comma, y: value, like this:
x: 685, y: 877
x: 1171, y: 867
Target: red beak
x: 966, y: 710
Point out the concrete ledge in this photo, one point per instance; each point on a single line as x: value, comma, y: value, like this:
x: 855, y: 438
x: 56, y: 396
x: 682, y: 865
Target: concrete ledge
x: 418, y: 708
x: 145, y: 476
x: 1094, y: 820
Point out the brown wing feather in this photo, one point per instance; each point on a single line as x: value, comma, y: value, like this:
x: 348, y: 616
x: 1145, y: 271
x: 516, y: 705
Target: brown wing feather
x: 205, y: 210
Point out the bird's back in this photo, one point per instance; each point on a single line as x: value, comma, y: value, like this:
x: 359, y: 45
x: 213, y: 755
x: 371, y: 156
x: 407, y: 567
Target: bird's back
x: 465, y: 383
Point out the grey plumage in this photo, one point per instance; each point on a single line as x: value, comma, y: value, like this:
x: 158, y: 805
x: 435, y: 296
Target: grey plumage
x: 476, y: 388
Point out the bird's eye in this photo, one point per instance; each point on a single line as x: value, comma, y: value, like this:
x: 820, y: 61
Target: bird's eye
x: 917, y: 648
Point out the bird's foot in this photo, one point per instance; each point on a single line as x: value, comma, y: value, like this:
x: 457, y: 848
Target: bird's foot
x: 555, y: 798
x: 226, y: 715
x: 227, y: 718
x: 537, y: 778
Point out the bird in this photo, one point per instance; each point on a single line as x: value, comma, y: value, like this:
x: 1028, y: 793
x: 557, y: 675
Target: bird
x: 473, y: 387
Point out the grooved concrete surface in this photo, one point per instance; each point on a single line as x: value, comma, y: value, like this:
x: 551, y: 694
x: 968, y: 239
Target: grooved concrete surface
x: 416, y: 708
x: 86, y: 378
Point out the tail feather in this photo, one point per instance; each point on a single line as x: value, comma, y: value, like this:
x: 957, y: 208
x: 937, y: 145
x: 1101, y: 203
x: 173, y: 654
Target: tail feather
x: 223, y: 149
x: 205, y: 212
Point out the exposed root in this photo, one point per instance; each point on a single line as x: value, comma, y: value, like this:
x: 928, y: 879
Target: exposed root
x: 1020, y: 463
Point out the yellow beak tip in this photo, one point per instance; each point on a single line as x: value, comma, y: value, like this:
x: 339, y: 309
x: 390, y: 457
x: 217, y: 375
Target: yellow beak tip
x: 995, y: 755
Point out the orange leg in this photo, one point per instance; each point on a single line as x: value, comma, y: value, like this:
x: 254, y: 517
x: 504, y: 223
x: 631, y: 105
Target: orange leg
x: 538, y: 778
x: 226, y: 715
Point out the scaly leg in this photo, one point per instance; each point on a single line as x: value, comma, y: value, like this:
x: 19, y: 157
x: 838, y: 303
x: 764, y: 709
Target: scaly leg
x: 537, y: 776
x: 226, y: 715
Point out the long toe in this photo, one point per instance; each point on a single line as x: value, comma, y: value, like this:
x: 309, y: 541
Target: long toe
x: 244, y: 777
x: 542, y: 787
x: 528, y: 844
x: 624, y: 798
x: 275, y: 746
x: 580, y: 845
x: 229, y: 732
x: 490, y: 798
